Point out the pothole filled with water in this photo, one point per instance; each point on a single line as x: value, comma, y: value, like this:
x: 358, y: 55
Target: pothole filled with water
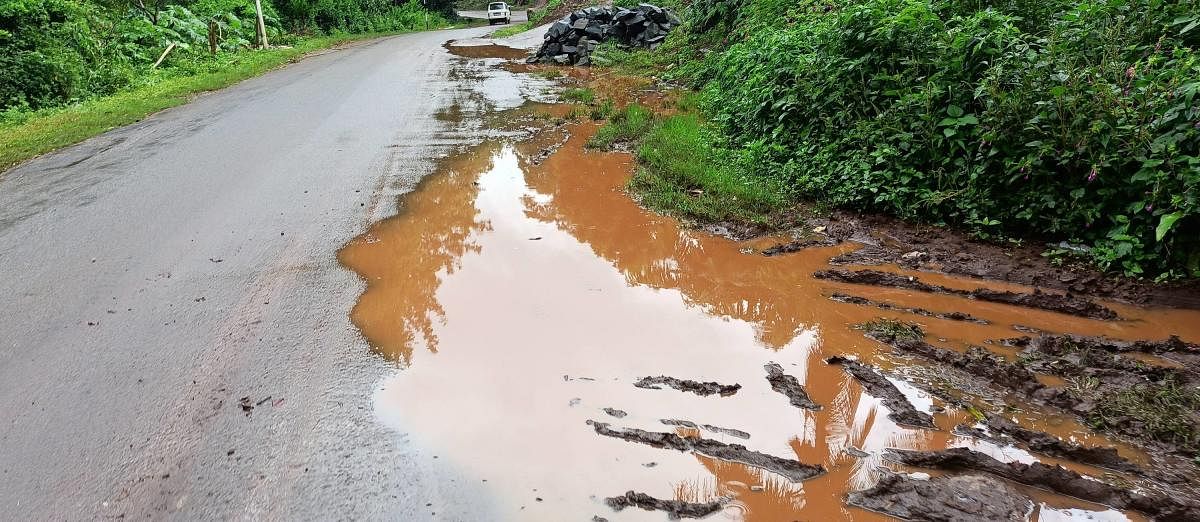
x: 523, y: 294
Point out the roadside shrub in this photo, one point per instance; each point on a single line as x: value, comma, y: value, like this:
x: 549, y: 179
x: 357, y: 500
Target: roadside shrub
x: 57, y: 52
x: 46, y: 51
x: 1074, y: 120
x: 361, y: 16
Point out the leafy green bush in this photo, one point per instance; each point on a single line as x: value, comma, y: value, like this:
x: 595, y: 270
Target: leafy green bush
x: 361, y: 16
x: 57, y: 52
x: 1063, y: 119
x: 47, y: 52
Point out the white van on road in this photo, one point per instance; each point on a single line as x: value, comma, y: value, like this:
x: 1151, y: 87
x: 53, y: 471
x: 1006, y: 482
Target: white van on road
x: 498, y: 12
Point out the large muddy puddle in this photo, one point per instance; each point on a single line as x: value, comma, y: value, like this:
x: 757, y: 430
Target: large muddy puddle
x: 522, y: 296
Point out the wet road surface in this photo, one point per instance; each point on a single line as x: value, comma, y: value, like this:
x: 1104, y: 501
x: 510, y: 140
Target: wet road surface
x: 181, y: 341
x: 155, y: 276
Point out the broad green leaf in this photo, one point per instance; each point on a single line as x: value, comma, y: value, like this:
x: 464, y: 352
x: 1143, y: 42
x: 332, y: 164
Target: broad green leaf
x: 1165, y: 223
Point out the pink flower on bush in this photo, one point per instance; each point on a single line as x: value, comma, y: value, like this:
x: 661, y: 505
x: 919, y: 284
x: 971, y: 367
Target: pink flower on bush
x: 1091, y: 175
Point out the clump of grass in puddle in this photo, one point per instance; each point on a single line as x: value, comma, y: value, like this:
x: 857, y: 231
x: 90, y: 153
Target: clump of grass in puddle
x: 684, y: 173
x: 577, y: 114
x: 579, y: 95
x: 624, y: 126
x: 603, y: 111
x: 891, y: 330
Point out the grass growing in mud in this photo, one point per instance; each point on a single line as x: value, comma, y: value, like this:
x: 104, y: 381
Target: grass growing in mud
x: 892, y: 329
x: 680, y: 172
x: 1165, y: 411
x: 623, y: 127
x: 579, y: 95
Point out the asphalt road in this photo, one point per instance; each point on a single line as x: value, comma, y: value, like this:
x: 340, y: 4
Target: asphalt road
x: 157, y: 274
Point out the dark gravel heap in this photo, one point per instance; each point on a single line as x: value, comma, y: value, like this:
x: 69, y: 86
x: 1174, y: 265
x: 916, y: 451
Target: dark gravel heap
x: 572, y: 39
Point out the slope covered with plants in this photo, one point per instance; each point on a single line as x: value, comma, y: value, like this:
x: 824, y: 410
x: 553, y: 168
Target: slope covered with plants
x: 1051, y: 120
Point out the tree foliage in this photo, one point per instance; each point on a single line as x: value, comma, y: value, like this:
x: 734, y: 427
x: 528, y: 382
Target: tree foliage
x: 55, y: 52
x: 1060, y: 119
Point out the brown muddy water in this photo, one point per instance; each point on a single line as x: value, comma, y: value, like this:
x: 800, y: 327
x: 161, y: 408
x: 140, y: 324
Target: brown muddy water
x: 521, y: 295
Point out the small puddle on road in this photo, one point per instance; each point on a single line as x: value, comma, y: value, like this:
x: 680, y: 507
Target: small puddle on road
x: 521, y: 300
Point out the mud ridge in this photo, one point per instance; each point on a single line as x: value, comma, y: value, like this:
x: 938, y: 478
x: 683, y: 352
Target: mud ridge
x: 613, y: 412
x: 675, y: 509
x: 1061, y: 303
x: 1085, y: 402
x: 900, y: 410
x: 944, y: 498
x: 1046, y: 444
x: 788, y: 385
x: 951, y: 316
x: 798, y: 245
x: 981, y: 362
x: 1054, y: 478
x: 939, y: 249
x: 1072, y: 360
x: 707, y: 427
x: 703, y: 389
x: 1172, y: 348
x: 791, y: 469
x: 978, y: 361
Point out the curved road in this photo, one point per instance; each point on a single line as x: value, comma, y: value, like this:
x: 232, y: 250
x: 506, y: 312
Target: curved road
x: 156, y: 275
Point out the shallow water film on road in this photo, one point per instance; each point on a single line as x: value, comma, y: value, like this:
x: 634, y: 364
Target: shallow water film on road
x: 526, y: 299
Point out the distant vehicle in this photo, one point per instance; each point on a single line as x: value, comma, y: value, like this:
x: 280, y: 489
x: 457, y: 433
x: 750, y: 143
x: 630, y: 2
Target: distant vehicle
x: 498, y: 12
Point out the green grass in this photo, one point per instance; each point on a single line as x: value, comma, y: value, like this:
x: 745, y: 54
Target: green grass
x: 579, y: 95
x: 890, y: 329
x: 1165, y: 411
x: 682, y: 173
x: 505, y: 32
x: 625, y: 126
x: 603, y: 110
x: 46, y: 131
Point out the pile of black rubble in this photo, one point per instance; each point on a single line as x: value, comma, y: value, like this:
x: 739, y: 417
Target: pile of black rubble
x: 572, y: 39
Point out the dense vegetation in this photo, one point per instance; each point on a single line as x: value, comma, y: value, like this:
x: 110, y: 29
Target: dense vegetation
x: 1072, y: 120
x: 57, y: 52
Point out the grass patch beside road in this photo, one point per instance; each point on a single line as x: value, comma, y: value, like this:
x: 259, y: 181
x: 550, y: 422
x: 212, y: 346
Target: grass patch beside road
x: 505, y: 32
x: 681, y: 172
x: 684, y: 174
x: 627, y: 125
x: 49, y: 130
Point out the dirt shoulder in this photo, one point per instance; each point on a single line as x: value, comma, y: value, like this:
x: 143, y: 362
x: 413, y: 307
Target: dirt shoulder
x: 937, y: 249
